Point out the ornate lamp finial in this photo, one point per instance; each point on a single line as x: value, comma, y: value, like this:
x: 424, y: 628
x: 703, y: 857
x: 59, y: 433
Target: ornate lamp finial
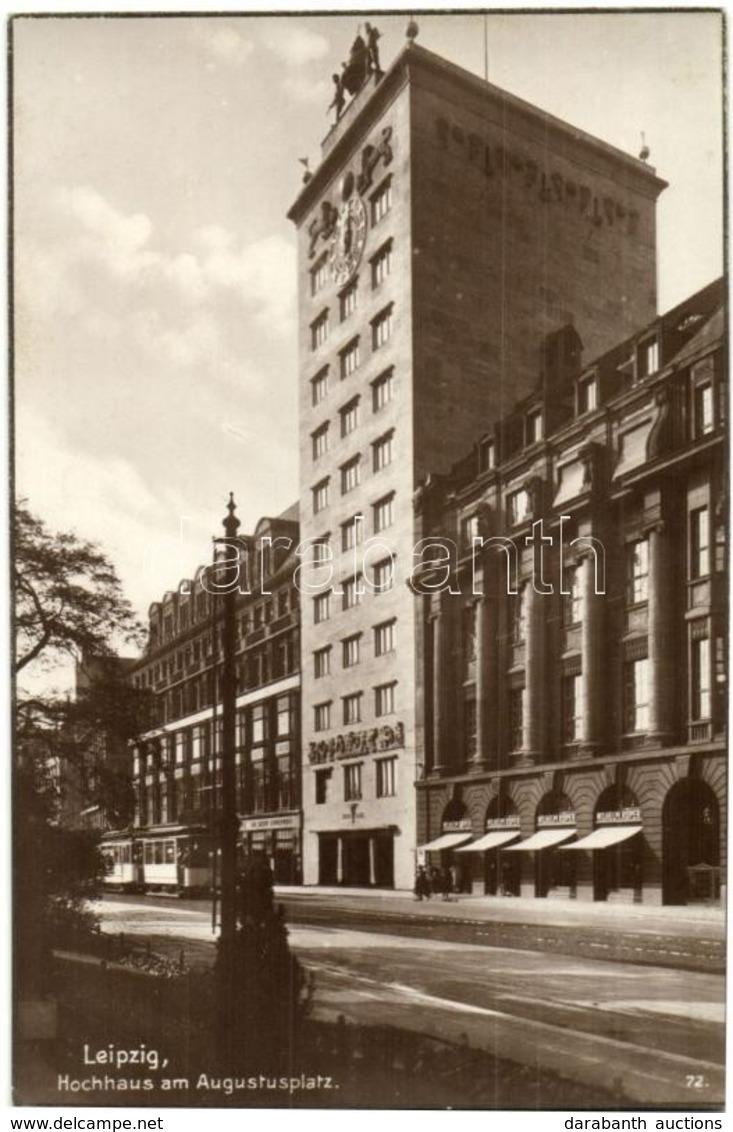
x: 231, y: 522
x: 412, y: 31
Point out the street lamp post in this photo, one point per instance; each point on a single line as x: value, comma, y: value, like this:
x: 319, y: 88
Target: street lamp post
x: 229, y: 824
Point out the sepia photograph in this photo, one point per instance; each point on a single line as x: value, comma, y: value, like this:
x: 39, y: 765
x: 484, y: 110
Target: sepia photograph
x: 369, y: 561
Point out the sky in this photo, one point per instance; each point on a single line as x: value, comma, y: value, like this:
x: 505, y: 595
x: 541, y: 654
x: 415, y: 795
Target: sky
x: 155, y: 160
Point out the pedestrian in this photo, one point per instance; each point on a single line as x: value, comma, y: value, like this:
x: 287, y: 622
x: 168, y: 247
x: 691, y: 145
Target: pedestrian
x: 422, y: 885
x: 446, y: 884
x: 436, y: 881
x: 455, y: 876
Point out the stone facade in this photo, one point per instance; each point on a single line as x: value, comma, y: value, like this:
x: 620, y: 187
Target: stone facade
x: 177, y: 764
x: 447, y: 229
x: 575, y: 678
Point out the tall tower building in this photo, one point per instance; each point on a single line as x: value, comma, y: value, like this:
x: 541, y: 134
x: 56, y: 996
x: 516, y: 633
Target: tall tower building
x: 448, y: 229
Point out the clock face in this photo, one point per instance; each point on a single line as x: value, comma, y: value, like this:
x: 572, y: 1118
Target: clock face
x: 348, y: 241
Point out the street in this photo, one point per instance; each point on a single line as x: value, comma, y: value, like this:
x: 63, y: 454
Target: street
x: 657, y: 1031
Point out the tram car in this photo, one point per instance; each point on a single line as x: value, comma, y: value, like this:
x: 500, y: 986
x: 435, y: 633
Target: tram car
x: 175, y: 860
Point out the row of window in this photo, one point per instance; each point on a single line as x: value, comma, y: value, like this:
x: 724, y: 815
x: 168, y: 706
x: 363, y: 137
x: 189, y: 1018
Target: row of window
x: 352, y: 707
x: 382, y: 447
x: 701, y: 411
x: 385, y: 781
x: 382, y: 393
x: 350, y: 355
x: 381, y: 267
x: 382, y: 509
x: 350, y: 654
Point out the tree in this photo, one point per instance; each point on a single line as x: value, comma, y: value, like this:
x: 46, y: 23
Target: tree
x: 68, y: 598
x: 68, y: 604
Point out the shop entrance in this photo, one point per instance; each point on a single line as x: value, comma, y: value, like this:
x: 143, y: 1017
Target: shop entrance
x: 690, y: 837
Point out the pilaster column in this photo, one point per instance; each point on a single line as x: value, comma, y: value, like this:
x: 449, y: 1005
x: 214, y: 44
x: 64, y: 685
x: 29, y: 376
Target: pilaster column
x: 440, y: 646
x: 660, y: 628
x: 486, y: 682
x: 339, y: 860
x: 372, y: 861
x: 591, y: 652
x: 534, y: 699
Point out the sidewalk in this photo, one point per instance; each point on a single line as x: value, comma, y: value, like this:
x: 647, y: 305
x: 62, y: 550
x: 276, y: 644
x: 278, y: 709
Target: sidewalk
x: 701, y: 921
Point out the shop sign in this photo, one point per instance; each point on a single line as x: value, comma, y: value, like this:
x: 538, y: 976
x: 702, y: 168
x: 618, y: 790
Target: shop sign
x: 567, y: 817
x: 457, y: 826
x: 370, y: 742
x: 612, y: 817
x: 503, y: 823
x: 282, y: 821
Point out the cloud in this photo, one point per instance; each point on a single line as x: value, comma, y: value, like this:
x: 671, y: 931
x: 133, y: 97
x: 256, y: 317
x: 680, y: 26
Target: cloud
x: 224, y: 43
x: 104, y: 234
x: 297, y: 45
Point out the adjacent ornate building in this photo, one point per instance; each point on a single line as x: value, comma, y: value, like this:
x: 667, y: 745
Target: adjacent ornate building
x: 177, y: 765
x: 572, y: 628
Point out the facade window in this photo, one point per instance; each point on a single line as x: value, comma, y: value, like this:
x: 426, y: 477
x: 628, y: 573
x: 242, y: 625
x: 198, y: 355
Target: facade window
x: 350, y: 417
x: 700, y: 542
x: 350, y: 357
x: 469, y: 530
x: 322, y: 716
x: 384, y: 699
x: 572, y: 605
x: 352, y: 708
x: 382, y: 201
x: 321, y: 550
x: 703, y: 409
x: 382, y: 390
x: 636, y: 695
x: 516, y: 719
x: 519, y: 507
x: 384, y: 575
x: 382, y: 328
x: 284, y: 716
x: 535, y: 428
x: 347, y: 300
x: 353, y: 592
x: 320, y: 441
x: 382, y: 264
x: 383, y: 511
x: 321, y: 608
x: 587, y: 394
x: 259, y: 724
x: 487, y: 455
x: 322, y: 662
x: 384, y: 638
x: 518, y: 615
x: 319, y: 275
x: 637, y: 572
x: 386, y: 777
x: 320, y: 496
x: 319, y: 386
x: 350, y: 475
x: 700, y: 679
x: 319, y: 330
x: 323, y: 783
x: 350, y: 650
x: 648, y: 357
x: 352, y: 783
x: 571, y: 692
x: 382, y: 450
x: 352, y: 532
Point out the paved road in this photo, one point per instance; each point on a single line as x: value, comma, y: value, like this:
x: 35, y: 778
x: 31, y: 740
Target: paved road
x: 657, y: 1030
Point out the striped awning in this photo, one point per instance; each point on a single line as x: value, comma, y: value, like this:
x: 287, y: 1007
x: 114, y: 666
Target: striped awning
x: 604, y: 836
x: 491, y: 841
x: 446, y: 841
x: 543, y: 839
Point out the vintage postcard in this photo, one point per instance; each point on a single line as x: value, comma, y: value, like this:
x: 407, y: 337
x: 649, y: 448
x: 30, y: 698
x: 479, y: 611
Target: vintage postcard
x: 370, y: 536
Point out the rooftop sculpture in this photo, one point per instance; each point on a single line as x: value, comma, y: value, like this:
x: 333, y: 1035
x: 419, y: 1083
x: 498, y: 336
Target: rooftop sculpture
x: 363, y: 61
